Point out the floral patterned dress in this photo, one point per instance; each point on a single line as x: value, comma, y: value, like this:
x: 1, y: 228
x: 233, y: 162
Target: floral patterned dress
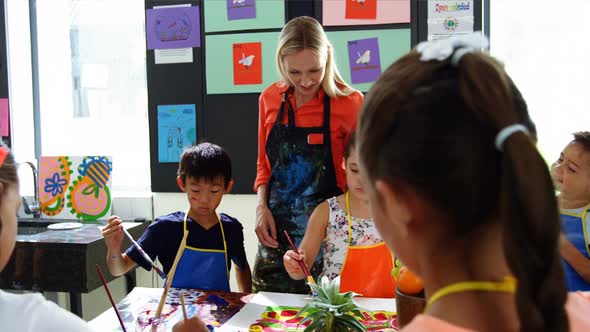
x: 364, y: 233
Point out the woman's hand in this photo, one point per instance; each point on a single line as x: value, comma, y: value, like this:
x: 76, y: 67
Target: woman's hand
x: 193, y: 324
x: 291, y: 262
x: 113, y: 234
x: 266, y: 229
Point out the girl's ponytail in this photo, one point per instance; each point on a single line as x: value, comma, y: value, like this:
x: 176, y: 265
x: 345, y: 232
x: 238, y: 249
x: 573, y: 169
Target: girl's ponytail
x: 527, y: 204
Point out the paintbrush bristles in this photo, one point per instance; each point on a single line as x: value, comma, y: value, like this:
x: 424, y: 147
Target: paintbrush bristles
x: 171, y: 274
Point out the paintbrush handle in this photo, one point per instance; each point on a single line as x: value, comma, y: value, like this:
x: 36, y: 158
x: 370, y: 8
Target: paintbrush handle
x: 143, y: 253
x: 106, y: 288
x: 301, y: 262
x: 171, y: 274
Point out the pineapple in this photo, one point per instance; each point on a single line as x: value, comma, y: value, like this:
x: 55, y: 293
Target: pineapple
x: 331, y: 310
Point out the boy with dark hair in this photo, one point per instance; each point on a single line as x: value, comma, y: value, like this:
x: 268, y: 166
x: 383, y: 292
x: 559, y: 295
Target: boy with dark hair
x: 571, y: 174
x: 214, y: 240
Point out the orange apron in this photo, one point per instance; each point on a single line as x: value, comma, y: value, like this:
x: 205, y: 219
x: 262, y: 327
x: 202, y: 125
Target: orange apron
x: 367, y: 269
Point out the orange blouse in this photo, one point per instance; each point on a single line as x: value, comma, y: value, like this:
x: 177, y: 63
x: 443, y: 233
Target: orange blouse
x: 343, y: 116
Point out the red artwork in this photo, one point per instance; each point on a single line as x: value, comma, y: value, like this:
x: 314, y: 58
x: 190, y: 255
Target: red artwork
x: 283, y: 318
x: 247, y: 63
x: 361, y: 9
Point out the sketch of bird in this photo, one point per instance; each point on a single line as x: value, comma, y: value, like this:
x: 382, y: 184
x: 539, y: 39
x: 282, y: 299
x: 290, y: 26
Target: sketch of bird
x: 362, y: 2
x: 242, y: 2
x: 246, y: 61
x: 365, y: 58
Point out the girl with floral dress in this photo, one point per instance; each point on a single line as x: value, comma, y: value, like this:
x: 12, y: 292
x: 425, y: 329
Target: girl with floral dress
x: 342, y: 227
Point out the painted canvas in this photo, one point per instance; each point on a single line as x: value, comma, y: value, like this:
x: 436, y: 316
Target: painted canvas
x: 75, y: 187
x: 364, y: 60
x: 214, y: 308
x: 276, y: 312
x: 241, y: 9
x: 283, y: 318
x: 247, y: 63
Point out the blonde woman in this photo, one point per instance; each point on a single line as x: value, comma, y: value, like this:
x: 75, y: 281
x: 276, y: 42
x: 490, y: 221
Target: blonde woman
x: 305, y: 120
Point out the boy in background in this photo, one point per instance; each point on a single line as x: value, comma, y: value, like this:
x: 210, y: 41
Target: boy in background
x: 214, y: 240
x: 571, y: 174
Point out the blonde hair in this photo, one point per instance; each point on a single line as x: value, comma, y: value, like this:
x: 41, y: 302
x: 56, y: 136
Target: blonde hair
x: 305, y: 32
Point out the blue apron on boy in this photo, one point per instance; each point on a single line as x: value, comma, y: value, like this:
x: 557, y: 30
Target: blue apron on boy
x: 302, y: 176
x: 203, y: 268
x: 574, y: 229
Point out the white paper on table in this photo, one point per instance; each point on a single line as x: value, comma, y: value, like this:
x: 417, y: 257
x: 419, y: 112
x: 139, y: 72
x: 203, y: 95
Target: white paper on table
x: 257, y: 305
x: 173, y: 55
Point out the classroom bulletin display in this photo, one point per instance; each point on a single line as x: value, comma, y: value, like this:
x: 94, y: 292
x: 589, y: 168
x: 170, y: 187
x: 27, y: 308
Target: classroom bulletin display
x: 235, y: 61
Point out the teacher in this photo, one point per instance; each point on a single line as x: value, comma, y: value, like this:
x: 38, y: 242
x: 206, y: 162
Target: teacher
x: 305, y: 120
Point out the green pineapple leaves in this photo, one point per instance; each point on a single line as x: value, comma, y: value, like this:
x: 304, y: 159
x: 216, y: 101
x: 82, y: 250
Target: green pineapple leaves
x: 331, y: 310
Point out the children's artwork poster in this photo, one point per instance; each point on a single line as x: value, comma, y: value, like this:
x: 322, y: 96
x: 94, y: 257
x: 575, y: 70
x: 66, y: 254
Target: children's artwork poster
x: 173, y: 27
x: 241, y: 9
x: 177, y: 130
x: 240, y: 63
x: 138, y: 308
x: 236, y: 15
x: 283, y: 318
x: 75, y: 187
x: 247, y: 63
x: 365, y: 62
x: 448, y: 18
x: 361, y: 9
x: 365, y: 12
x: 361, y: 55
x: 4, y: 117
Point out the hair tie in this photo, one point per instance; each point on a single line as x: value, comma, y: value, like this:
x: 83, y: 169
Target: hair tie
x: 459, y: 53
x: 3, y: 154
x: 506, y: 132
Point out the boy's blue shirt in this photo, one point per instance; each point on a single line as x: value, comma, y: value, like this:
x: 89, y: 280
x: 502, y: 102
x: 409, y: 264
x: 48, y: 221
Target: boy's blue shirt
x: 162, y: 238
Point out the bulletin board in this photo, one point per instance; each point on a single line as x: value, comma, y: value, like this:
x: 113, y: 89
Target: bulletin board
x: 235, y: 61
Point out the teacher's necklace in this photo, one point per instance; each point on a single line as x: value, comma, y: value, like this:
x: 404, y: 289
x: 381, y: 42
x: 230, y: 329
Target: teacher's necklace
x: 508, y: 285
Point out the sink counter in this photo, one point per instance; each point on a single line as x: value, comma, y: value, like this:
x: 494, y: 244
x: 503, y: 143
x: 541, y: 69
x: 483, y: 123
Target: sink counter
x: 62, y: 260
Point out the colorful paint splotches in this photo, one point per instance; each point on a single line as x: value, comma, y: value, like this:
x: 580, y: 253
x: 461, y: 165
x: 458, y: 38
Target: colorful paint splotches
x: 82, y: 184
x: 241, y: 9
x: 283, y: 318
x: 247, y: 62
x: 364, y: 59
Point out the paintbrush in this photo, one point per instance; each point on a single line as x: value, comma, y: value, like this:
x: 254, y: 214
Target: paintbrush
x: 144, y: 254
x: 183, y: 305
x: 301, y: 262
x: 106, y: 288
x: 171, y: 276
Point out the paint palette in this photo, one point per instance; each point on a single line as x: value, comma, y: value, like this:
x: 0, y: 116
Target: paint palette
x: 64, y: 226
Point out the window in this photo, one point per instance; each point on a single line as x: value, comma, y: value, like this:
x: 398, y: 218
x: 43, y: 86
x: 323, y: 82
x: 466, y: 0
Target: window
x: 92, y: 83
x: 544, y: 47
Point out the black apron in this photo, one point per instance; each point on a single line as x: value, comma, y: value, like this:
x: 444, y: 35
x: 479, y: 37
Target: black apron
x: 302, y: 176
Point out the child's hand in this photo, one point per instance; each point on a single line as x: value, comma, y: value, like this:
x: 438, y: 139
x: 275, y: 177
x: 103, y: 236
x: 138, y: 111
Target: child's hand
x: 193, y: 324
x: 291, y: 261
x: 113, y: 234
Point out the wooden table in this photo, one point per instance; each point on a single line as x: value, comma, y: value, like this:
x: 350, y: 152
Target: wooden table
x: 214, y: 307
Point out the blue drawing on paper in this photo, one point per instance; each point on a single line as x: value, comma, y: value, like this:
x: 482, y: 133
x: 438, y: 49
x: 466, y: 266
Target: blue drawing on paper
x: 177, y: 130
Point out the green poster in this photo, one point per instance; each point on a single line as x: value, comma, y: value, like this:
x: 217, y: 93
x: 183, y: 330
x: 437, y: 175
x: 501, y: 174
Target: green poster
x: 392, y: 45
x: 220, y: 62
x: 267, y: 14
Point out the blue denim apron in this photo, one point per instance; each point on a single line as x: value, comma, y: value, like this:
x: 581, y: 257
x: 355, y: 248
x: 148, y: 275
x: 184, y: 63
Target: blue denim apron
x: 302, y: 176
x: 202, y: 268
x: 574, y: 229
